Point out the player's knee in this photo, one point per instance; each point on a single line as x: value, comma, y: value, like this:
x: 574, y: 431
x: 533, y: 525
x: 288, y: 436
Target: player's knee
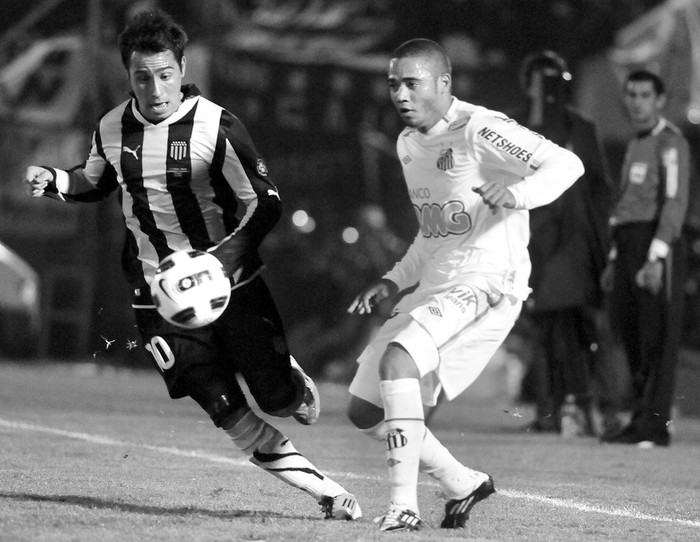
x: 397, y: 363
x: 285, y: 401
x: 285, y: 412
x: 222, y: 411
x: 364, y: 414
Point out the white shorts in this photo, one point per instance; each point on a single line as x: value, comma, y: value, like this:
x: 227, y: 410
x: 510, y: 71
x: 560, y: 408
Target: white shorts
x: 451, y: 334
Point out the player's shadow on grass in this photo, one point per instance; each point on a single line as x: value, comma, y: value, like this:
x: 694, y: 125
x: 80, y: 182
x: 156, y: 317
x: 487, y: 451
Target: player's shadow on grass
x: 92, y: 503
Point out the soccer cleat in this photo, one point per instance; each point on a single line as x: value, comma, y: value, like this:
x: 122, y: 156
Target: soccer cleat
x: 399, y: 520
x: 643, y: 439
x: 343, y: 506
x: 457, y: 510
x: 310, y: 408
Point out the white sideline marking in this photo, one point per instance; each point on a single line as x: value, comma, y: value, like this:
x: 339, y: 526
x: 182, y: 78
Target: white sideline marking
x: 511, y: 493
x: 108, y: 441
x: 582, y: 507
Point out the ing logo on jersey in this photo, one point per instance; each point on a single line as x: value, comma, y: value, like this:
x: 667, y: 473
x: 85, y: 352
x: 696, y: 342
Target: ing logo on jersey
x: 446, y: 160
x: 442, y: 220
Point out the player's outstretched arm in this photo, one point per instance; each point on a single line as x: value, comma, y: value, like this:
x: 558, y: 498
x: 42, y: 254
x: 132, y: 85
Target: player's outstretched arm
x: 372, y: 295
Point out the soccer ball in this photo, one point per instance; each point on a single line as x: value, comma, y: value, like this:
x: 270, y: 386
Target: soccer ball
x: 190, y: 288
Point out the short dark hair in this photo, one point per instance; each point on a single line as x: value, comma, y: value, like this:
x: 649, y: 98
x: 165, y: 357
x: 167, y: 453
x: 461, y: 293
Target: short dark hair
x: 152, y: 32
x: 646, y: 75
x: 424, y: 47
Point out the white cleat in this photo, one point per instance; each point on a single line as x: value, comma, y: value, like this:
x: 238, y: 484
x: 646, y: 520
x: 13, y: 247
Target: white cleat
x: 343, y: 506
x: 397, y: 519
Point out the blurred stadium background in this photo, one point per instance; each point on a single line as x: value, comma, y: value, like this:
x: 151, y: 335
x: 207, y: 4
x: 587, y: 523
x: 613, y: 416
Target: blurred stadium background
x: 307, y: 77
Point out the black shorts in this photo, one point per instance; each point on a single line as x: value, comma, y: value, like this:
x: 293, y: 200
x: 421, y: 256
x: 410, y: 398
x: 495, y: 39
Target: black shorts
x: 248, y: 338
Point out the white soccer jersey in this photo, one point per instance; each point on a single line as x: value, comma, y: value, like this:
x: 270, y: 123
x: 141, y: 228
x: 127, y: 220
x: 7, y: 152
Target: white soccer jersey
x: 459, y: 235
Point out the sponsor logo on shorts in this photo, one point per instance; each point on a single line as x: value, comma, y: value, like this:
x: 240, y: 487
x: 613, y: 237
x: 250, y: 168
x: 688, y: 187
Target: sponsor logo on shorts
x: 461, y: 298
x: 435, y: 311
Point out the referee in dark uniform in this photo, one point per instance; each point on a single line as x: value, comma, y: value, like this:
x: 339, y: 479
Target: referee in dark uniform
x: 644, y: 276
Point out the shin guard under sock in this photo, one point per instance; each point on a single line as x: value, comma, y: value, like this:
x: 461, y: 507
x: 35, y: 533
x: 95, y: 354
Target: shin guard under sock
x: 403, y: 416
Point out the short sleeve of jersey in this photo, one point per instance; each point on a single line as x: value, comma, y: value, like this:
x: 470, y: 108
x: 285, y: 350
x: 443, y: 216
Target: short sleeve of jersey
x: 501, y: 143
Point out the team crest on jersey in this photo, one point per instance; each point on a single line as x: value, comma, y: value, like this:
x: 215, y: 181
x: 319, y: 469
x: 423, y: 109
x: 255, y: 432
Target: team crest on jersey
x: 435, y: 311
x: 261, y: 167
x: 406, y: 160
x: 178, y: 150
x: 445, y: 161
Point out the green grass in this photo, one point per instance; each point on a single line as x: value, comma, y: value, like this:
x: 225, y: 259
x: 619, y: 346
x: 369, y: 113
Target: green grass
x: 93, y: 453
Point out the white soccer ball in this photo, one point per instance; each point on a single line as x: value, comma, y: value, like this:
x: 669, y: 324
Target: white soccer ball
x: 190, y: 289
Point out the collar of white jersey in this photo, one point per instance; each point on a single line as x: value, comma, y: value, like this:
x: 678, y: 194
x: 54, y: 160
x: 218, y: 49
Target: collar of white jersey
x: 190, y: 95
x: 442, y: 125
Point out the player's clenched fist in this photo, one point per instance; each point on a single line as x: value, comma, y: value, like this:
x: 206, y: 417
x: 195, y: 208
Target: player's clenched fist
x: 495, y: 195
x: 36, y: 179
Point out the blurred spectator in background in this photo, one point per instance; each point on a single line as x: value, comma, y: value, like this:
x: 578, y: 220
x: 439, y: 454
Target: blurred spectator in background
x: 568, y: 248
x: 19, y: 305
x: 646, y: 268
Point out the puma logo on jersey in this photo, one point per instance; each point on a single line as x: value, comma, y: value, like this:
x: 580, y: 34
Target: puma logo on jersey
x: 127, y: 149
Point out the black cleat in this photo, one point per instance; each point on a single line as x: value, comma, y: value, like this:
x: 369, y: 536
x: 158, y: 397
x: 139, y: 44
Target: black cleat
x: 457, y: 510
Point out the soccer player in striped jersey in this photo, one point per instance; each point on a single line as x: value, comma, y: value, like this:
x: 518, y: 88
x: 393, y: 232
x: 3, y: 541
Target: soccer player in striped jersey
x: 189, y: 177
x: 472, y: 174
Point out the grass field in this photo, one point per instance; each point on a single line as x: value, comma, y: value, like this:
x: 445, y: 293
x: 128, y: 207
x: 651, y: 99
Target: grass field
x: 93, y: 453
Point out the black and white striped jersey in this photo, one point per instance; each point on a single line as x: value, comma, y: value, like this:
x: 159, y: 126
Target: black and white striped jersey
x: 192, y: 181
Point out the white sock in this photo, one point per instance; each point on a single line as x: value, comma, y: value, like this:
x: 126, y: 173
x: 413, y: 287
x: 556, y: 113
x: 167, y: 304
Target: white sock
x: 272, y: 451
x: 403, y: 416
x: 456, y: 480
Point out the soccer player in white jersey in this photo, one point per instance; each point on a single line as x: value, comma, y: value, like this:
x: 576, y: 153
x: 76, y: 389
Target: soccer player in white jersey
x: 472, y: 174
x: 190, y: 178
